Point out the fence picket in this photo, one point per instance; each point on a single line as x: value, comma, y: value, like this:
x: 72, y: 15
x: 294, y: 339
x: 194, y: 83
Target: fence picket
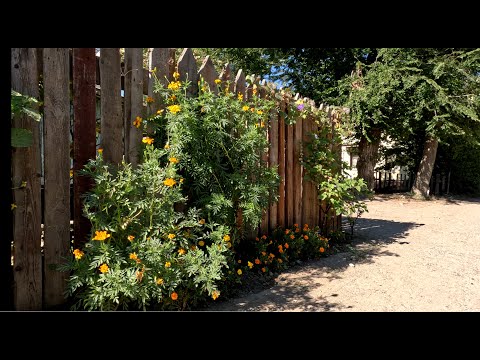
x: 209, y: 74
x: 187, y: 68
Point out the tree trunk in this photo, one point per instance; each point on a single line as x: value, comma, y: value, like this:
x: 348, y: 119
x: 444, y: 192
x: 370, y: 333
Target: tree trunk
x: 421, y: 187
x: 367, y: 157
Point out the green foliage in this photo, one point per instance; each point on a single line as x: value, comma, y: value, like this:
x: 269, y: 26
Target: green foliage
x: 26, y: 106
x: 218, y: 141
x: 142, y: 253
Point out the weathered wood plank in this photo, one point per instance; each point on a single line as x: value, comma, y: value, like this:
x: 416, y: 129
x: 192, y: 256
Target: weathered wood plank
x: 26, y: 169
x: 289, y: 176
x: 265, y: 224
x: 273, y: 161
x: 308, y: 187
x: 187, y: 68
x: 127, y: 100
x: 226, y: 77
x: 84, y: 75
x: 281, y: 165
x: 240, y: 86
x: 297, y: 171
x: 158, y: 61
x: 111, y: 105
x: 57, y: 171
x: 209, y: 74
x: 136, y: 104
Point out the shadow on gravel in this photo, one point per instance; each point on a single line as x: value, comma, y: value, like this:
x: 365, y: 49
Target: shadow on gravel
x: 291, y: 288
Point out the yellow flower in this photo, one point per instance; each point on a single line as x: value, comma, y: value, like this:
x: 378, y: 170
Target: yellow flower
x: 100, y: 151
x: 250, y: 264
x: 259, y: 112
x: 133, y: 256
x: 201, y: 221
x: 257, y: 261
x: 245, y: 108
x: 103, y: 268
x: 78, y: 254
x: 166, y: 146
x: 174, y: 85
x: 150, y: 99
x: 239, y: 271
x: 137, y: 122
x: 12, y: 206
x: 252, y: 110
x: 101, y: 235
x: 215, y: 295
x: 173, y: 97
x: 182, y: 180
x: 229, y: 245
x: 147, y: 140
x: 182, y: 251
x: 130, y: 238
x: 171, y: 236
x: 279, y: 260
x: 154, y: 70
x: 240, y: 96
x: 218, y: 81
x: 173, y: 160
x: 160, y: 112
x: 226, y: 238
x: 201, y: 243
x: 176, y: 75
x: 322, y: 250
x: 169, y: 182
x: 159, y: 281
x: 71, y: 173
x: 174, y: 296
x: 174, y: 108
x: 168, y: 264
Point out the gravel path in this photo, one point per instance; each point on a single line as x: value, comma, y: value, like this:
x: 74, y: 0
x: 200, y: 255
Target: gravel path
x: 406, y: 255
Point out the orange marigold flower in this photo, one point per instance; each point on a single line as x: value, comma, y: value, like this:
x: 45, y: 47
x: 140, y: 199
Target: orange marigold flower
x: 137, y: 122
x: 139, y: 275
x: 182, y: 251
x: 287, y: 231
x: 263, y: 269
x: 147, y: 140
x: 169, y: 182
x: 286, y: 245
x: 174, y: 296
x: 78, y: 254
x: 305, y: 237
x: 257, y: 239
x: 280, y: 261
x: 239, y: 272
x: 173, y: 160
x: 264, y: 253
x: 101, y: 235
x: 133, y: 256
x: 292, y: 236
x: 150, y: 99
x: 171, y: 236
x: 296, y: 225
x: 103, y: 268
x: 252, y: 109
x: 271, y: 255
x: 201, y: 221
x: 174, y: 108
x: 226, y: 237
x: 250, y: 264
x: 159, y: 281
x: 168, y: 264
x: 215, y: 295
x: 257, y: 261
x: 264, y: 237
x: 130, y: 238
x: 201, y: 243
x: 322, y: 250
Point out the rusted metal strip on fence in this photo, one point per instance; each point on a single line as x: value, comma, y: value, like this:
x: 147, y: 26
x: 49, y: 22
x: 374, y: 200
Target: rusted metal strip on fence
x: 84, y: 140
x: 56, y: 82
x: 111, y: 105
x: 26, y: 174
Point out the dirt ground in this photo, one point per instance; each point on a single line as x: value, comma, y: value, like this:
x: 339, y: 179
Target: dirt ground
x: 406, y: 256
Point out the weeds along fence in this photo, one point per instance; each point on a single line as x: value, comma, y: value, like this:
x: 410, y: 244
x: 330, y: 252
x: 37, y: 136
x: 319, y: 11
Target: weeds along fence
x: 83, y: 93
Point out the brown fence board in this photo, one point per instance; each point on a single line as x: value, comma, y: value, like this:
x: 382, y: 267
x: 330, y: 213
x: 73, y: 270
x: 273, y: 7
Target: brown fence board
x: 84, y: 134
x: 297, y: 171
x: 159, y: 60
x: 308, y: 187
x: 240, y: 86
x: 57, y: 171
x: 26, y: 167
x: 273, y: 161
x: 187, y: 68
x: 209, y: 74
x: 289, y: 176
x: 111, y: 105
x: 281, y: 165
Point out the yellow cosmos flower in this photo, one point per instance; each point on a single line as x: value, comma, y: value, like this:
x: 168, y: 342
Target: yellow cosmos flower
x: 100, y: 151
x: 101, y: 235
x: 182, y: 251
x: 215, y: 295
x: 169, y: 182
x: 239, y: 271
x: 226, y: 238
x: 133, y: 256
x: 166, y: 146
x: 174, y: 108
x: 147, y: 140
x: 182, y: 180
x: 168, y: 264
x: 103, y: 268
x: 137, y: 122
x: 173, y: 160
x: 78, y: 254
x: 240, y: 96
x: 201, y: 221
x: 259, y: 112
x: 218, y: 81
x: 174, y: 85
x: 176, y: 75
x: 201, y: 243
x: 245, y: 108
x: 250, y: 264
x: 171, y: 236
x: 159, y: 281
x: 130, y: 238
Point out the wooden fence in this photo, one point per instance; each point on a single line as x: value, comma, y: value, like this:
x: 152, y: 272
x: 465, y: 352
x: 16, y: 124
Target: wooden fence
x: 72, y: 78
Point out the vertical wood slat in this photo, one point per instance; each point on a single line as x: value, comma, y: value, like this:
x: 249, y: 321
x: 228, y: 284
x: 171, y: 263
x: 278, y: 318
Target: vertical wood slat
x: 273, y: 160
x: 57, y: 165
x: 127, y: 101
x: 308, y: 199
x: 289, y: 175
x: 297, y: 171
x: 264, y: 225
x: 111, y: 105
x: 316, y: 202
x: 240, y: 85
x: 281, y: 165
x: 135, y: 58
x: 226, y: 77
x: 187, y: 68
x: 26, y: 167
x: 84, y: 142
x: 159, y: 60
x: 209, y: 74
